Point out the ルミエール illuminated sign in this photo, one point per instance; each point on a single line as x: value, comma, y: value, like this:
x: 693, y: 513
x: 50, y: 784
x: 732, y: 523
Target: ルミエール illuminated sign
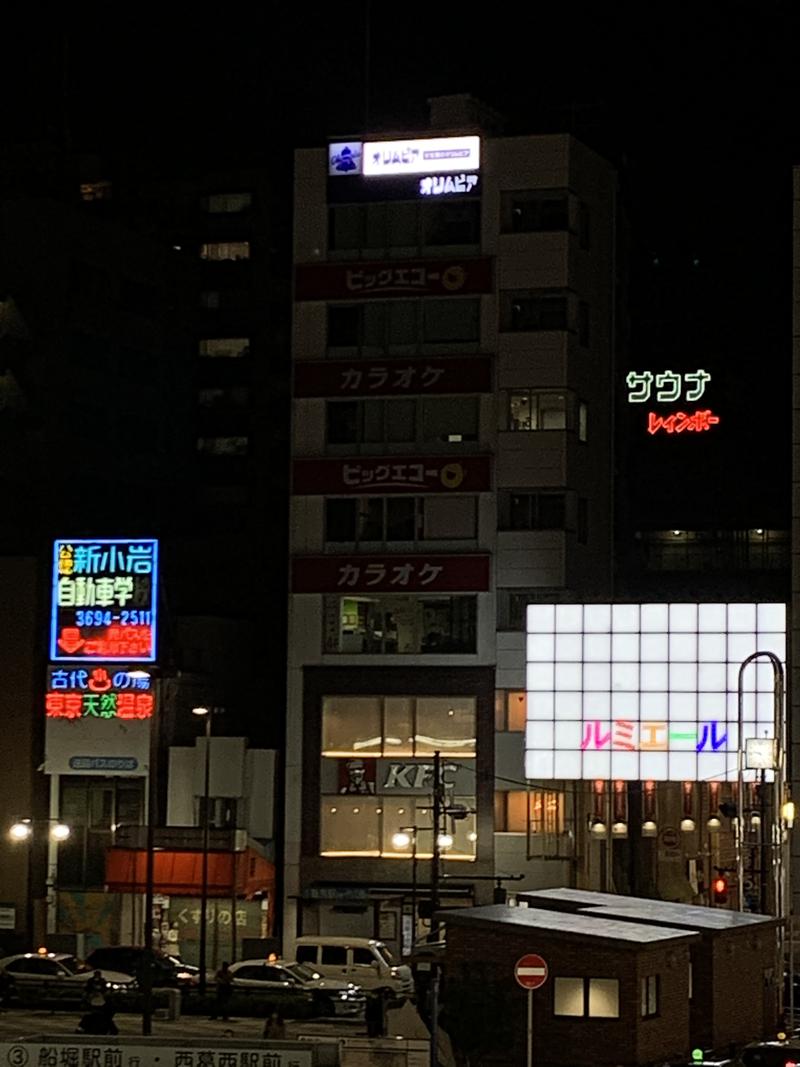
x: 647, y: 691
x: 421, y: 156
x: 672, y: 387
x: 95, y: 692
x: 104, y: 600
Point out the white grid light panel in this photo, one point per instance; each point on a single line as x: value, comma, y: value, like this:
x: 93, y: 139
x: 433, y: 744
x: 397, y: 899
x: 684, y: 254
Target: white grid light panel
x: 647, y: 691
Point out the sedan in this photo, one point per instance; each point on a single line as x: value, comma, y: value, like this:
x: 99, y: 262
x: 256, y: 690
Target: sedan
x: 54, y: 971
x: 278, y: 979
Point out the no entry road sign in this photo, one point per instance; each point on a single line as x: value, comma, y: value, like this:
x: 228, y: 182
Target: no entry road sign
x: 530, y: 971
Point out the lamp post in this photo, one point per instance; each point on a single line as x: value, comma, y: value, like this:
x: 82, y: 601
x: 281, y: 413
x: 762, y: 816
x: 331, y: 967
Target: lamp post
x: 205, y: 714
x: 22, y: 830
x: 407, y: 835
x: 782, y: 813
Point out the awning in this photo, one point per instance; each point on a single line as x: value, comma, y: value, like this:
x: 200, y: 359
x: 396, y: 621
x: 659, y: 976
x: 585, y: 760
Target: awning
x: 181, y: 873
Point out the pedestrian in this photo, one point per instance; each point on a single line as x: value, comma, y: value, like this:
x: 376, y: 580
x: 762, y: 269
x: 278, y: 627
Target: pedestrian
x: 95, y: 990
x: 275, y: 1027
x: 375, y: 1014
x: 224, y: 989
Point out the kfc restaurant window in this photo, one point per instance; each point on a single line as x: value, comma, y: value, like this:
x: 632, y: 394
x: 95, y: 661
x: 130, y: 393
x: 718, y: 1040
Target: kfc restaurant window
x: 377, y: 773
x: 400, y: 624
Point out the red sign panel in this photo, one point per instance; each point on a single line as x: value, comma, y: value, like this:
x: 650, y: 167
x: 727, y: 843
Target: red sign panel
x: 99, y: 692
x: 390, y: 574
x: 404, y: 377
x: 355, y: 476
x: 382, y: 280
x: 530, y: 971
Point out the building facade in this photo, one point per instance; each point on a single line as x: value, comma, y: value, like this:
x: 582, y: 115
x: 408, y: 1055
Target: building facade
x: 453, y: 356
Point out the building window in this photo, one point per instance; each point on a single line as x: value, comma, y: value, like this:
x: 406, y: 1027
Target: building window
x: 583, y: 520
x: 222, y: 446
x: 533, y: 311
x: 523, y: 811
x: 534, y: 211
x: 428, y: 420
x: 510, y: 711
x: 593, y: 998
x: 367, y: 825
x: 402, y: 327
x: 397, y: 518
x: 91, y: 807
x: 411, y: 226
x: 222, y: 251
x: 398, y: 726
x: 649, y: 996
x: 400, y: 624
x: 584, y: 226
x: 584, y: 325
x: 529, y: 409
x: 225, y: 347
x: 228, y: 203
x: 531, y: 511
x: 583, y: 421
x: 91, y: 191
x: 209, y: 298
x: 229, y: 397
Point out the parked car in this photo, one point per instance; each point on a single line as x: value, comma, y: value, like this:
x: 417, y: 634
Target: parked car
x: 277, y: 979
x: 37, y: 970
x: 169, y: 970
x: 361, y: 960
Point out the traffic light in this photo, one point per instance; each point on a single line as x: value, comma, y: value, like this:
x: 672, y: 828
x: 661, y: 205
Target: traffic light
x: 720, y: 889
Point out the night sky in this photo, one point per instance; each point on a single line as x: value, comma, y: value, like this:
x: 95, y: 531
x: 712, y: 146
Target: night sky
x: 696, y: 104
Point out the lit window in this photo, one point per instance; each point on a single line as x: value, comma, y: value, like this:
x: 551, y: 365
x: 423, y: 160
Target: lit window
x: 583, y: 421
x: 522, y: 811
x: 595, y: 998
x: 532, y: 410
x: 225, y: 347
x: 225, y: 250
x: 510, y: 711
x: 222, y: 446
x: 649, y: 996
x: 95, y: 191
x: 398, y: 726
x: 439, y: 625
x: 228, y: 203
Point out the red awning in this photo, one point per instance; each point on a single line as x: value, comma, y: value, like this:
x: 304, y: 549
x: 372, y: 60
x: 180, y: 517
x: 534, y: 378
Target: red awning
x: 181, y: 873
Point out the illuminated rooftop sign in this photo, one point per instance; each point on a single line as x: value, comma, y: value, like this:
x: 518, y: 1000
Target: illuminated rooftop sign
x: 671, y: 388
x: 421, y: 155
x: 646, y: 691
x: 447, y: 184
x: 104, y: 600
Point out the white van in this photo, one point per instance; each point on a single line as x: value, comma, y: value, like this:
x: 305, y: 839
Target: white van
x: 361, y: 960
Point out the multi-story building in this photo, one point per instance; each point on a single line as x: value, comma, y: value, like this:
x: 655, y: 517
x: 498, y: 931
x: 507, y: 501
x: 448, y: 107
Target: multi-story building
x: 452, y: 443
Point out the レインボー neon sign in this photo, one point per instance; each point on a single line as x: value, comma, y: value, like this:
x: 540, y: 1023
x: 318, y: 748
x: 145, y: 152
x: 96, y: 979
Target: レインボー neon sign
x: 670, y: 387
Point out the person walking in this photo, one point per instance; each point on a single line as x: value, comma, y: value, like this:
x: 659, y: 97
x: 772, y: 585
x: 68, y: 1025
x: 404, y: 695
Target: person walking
x: 224, y: 990
x: 275, y: 1028
x: 95, y: 991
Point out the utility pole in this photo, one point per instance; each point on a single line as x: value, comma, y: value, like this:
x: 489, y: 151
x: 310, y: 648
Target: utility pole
x: 438, y: 805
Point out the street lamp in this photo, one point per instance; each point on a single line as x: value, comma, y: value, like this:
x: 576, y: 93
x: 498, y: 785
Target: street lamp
x: 204, y: 713
x: 405, y: 836
x: 23, y: 831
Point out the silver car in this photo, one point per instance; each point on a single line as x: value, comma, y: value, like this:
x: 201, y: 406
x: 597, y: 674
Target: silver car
x: 57, y: 969
x: 279, y: 979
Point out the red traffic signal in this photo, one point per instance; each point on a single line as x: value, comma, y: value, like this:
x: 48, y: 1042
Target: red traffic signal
x: 720, y: 889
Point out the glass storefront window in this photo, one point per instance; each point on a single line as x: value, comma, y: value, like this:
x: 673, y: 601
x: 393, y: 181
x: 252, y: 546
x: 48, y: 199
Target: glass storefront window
x: 350, y: 826
x: 400, y: 624
x: 351, y: 726
x: 398, y: 726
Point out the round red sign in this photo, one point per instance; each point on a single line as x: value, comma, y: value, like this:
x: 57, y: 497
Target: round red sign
x: 530, y: 971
